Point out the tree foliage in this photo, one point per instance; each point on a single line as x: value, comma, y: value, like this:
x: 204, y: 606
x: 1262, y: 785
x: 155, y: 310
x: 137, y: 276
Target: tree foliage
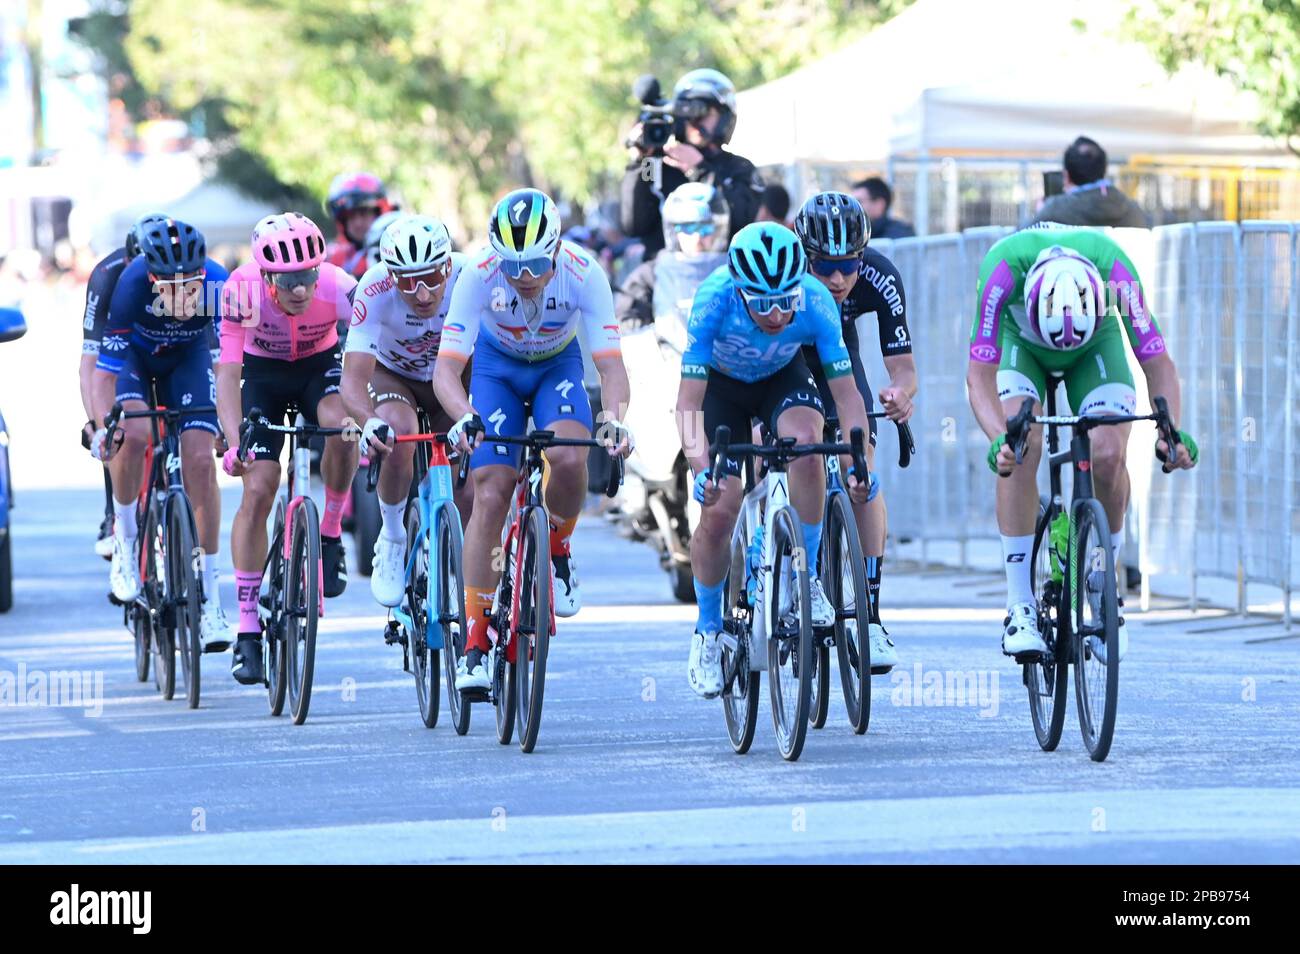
x: 1255, y: 43
x: 454, y: 102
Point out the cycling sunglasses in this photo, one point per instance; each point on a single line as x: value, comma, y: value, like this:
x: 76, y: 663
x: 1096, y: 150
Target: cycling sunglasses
x: 535, y: 267
x: 287, y: 281
x: 826, y: 267
x: 432, y: 279
x: 766, y: 304
x: 695, y: 228
x: 179, y: 279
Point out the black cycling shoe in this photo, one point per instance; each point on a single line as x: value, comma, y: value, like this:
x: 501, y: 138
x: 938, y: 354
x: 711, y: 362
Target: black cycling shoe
x: 334, y: 565
x: 247, y: 667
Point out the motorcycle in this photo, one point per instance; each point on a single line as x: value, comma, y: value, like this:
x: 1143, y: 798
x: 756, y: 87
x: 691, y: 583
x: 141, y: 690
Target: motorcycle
x: 657, y: 500
x: 12, y: 327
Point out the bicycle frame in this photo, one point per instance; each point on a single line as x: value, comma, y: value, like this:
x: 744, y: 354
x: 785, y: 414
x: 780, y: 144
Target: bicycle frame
x: 759, y: 507
x: 295, y: 491
x: 435, y: 489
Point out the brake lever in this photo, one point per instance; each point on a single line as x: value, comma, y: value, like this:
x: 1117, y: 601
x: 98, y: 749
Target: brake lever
x: 376, y: 461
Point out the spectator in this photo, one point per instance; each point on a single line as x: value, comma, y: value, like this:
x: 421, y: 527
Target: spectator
x: 1089, y: 197
x: 774, y: 206
x: 876, y: 198
x: 705, y: 103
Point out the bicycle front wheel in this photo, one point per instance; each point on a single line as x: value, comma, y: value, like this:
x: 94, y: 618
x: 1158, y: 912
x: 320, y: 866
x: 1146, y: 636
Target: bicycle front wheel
x: 739, y: 679
x: 1096, y: 620
x: 790, y: 644
x: 451, y: 607
x: 1045, y: 680
x: 153, y: 562
x: 274, y: 576
x: 844, y: 574
x: 183, y: 582
x: 302, y: 607
x: 424, y: 662
x: 533, y: 634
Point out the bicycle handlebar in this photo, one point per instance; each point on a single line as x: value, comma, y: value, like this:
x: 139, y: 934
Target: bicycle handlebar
x: 1018, y: 426
x: 372, y: 475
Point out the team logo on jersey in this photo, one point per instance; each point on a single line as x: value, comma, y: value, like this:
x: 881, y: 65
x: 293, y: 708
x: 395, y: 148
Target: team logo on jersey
x: 564, y: 387
x: 551, y: 327
x: 984, y: 352
x: 454, y: 326
x: 516, y: 331
x: 842, y: 366
x: 114, y: 344
x: 358, y: 313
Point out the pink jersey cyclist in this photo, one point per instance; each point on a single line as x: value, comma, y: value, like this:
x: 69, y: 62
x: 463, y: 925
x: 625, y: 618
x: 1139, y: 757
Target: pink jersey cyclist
x: 254, y: 324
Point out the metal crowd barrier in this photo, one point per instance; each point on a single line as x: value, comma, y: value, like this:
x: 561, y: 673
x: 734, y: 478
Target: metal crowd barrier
x: 1227, y: 298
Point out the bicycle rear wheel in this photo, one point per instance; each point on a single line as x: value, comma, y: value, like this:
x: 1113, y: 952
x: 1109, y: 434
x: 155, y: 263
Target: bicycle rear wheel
x: 1045, y: 680
x: 302, y: 607
x: 183, y: 583
x: 424, y: 668
x: 790, y: 645
x: 1096, y: 618
x: 274, y: 657
x: 141, y: 631
x: 845, y: 578
x: 451, y: 607
x: 739, y: 680
x: 533, y: 635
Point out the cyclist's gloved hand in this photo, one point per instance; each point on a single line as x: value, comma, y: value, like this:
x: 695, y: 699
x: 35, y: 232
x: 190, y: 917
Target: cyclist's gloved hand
x: 1188, y: 453
x: 99, y: 445
x: 706, y: 491
x: 1003, y: 468
x: 231, y: 463
x: 617, y: 437
x: 370, y: 440
x: 87, y: 433
x: 466, y: 433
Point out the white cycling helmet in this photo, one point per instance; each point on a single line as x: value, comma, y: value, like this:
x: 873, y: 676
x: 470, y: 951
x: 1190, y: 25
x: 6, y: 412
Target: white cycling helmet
x: 696, y: 203
x: 415, y: 243
x: 376, y: 232
x: 1063, y: 298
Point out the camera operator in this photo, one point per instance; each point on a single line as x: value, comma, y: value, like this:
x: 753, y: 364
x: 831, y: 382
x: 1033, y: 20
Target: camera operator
x: 680, y: 141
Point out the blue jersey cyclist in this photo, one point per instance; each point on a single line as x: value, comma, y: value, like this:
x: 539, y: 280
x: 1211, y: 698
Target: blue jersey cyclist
x: 157, y: 336
x: 743, y: 361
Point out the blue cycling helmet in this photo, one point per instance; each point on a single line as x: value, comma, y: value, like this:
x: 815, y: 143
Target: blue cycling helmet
x: 172, y: 247
x: 132, y: 243
x: 766, y: 259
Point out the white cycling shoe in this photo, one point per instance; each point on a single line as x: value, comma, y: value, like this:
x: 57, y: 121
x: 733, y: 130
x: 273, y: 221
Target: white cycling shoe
x: 473, y: 670
x: 123, y: 577
x: 821, y: 611
x: 884, y: 656
x: 566, y: 596
x: 387, y: 582
x: 704, y: 668
x: 214, y: 628
x: 1020, y: 634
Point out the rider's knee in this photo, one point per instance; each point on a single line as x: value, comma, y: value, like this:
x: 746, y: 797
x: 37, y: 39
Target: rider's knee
x: 567, y: 463
x: 200, y: 469
x: 259, y: 492
x: 135, y: 438
x: 1108, y: 458
x: 492, y: 492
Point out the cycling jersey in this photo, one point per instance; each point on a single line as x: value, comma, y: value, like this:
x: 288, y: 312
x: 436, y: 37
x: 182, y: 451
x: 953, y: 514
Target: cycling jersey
x: 484, y: 306
x: 383, y: 324
x: 1002, y: 282
x: 135, y: 319
x: 99, y: 294
x: 347, y: 257
x: 722, y: 335
x: 253, y: 324
x: 878, y: 293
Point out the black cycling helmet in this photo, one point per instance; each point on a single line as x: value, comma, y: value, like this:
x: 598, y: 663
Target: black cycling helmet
x: 132, y: 243
x: 698, y: 90
x: 832, y: 225
x: 172, y: 247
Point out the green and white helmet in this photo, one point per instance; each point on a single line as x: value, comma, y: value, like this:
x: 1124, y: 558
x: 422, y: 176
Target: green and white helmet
x: 525, y: 225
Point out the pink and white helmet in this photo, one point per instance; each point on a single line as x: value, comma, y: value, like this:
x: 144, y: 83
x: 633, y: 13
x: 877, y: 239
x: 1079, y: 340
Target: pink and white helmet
x: 287, y: 242
x: 1063, y: 298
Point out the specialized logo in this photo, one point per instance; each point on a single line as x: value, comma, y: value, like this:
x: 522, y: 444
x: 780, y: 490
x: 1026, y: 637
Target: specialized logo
x: 564, y: 387
x: 517, y: 211
x: 496, y: 419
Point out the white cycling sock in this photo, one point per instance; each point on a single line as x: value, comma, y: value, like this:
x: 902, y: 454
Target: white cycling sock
x: 1116, y: 543
x: 1015, y: 552
x: 211, y: 580
x: 392, y: 514
x: 124, y: 524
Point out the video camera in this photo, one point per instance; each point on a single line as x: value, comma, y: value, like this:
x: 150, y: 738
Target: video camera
x: 658, y: 121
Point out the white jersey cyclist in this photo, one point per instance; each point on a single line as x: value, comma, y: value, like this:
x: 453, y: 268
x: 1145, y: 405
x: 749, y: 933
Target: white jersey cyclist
x: 384, y: 325
x: 485, y: 308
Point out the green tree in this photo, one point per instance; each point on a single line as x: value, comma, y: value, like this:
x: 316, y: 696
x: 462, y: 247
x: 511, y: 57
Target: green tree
x: 1255, y: 43
x: 453, y: 102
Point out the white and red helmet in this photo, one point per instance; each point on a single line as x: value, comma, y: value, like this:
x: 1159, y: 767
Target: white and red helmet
x: 287, y: 242
x: 1063, y: 298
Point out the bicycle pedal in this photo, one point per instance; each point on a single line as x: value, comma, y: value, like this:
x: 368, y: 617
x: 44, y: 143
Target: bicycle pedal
x: 1029, y: 658
x: 475, y: 695
x: 114, y: 600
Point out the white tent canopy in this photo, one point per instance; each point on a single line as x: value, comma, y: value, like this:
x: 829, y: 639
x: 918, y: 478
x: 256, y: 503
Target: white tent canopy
x: 998, y: 76
x: 222, y: 213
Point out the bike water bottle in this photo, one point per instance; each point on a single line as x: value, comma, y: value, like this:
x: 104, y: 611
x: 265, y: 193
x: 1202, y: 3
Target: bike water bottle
x: 753, y: 559
x: 1058, y: 536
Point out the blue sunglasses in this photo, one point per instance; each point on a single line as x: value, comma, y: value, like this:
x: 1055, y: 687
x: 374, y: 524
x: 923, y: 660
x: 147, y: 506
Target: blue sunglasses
x: 695, y: 228
x: 536, y: 267
x: 826, y: 267
x: 766, y: 304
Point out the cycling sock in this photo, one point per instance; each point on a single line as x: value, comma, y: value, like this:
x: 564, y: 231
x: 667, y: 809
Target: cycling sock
x: 478, y: 604
x: 392, y: 515
x: 331, y: 524
x: 124, y: 524
x: 812, y: 539
x: 709, y: 600
x: 246, y: 587
x: 211, y: 579
x: 873, y: 586
x: 1016, y: 550
x: 561, y: 531
x: 1116, y: 544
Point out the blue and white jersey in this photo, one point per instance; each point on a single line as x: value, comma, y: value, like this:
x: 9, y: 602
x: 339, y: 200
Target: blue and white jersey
x: 135, y: 319
x: 721, y: 335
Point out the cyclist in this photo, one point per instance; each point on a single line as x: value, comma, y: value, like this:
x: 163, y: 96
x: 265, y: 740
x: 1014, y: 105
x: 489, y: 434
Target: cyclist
x: 354, y: 201
x: 744, y: 360
x: 279, y: 333
x: 1067, y: 292
x: 370, y: 247
x: 157, y: 332
x: 397, y: 321
x: 835, y: 233
x: 99, y: 293
x: 520, y: 302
